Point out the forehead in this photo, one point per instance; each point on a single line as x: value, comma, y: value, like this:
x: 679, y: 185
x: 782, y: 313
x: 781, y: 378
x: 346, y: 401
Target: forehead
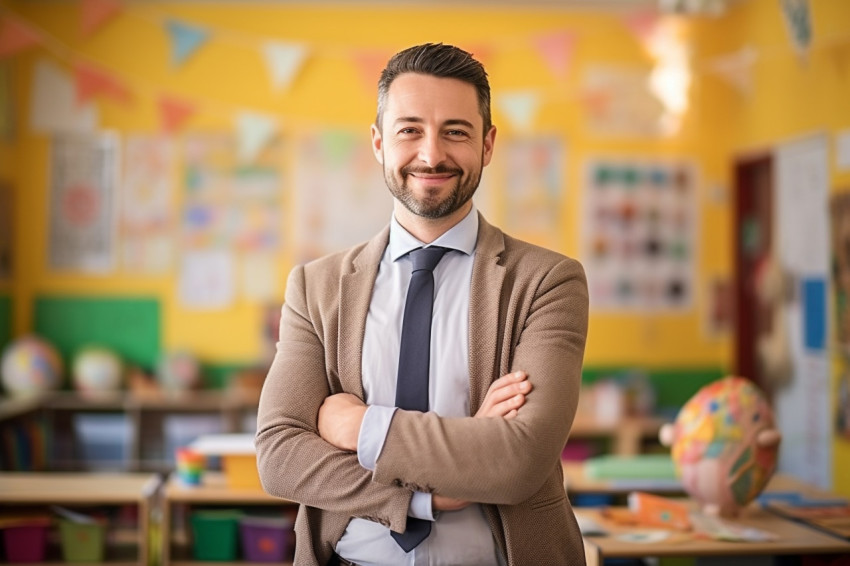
x: 426, y: 97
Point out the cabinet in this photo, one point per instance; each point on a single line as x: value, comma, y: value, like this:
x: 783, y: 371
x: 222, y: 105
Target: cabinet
x: 179, y: 500
x: 126, y: 498
x: 138, y: 433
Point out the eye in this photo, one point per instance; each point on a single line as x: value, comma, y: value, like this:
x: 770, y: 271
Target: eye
x: 456, y: 133
x: 407, y: 131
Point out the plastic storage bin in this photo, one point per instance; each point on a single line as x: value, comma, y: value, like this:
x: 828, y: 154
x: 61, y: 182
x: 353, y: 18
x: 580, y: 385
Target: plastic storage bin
x: 25, y: 538
x: 265, y: 539
x: 214, y: 534
x: 82, y: 542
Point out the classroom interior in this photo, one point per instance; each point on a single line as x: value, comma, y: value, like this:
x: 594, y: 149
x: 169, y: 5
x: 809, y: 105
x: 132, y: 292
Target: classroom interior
x: 163, y: 165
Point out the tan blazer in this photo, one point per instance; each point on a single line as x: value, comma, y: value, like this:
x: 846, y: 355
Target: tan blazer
x: 528, y: 310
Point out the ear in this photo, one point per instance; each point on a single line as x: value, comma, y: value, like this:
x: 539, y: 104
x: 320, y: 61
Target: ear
x: 377, y: 144
x: 489, y: 141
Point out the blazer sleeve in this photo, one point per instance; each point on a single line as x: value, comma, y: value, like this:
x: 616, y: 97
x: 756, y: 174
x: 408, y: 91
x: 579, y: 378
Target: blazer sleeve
x: 294, y: 462
x: 494, y: 460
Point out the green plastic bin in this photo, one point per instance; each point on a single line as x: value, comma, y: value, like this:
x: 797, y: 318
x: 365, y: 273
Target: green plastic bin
x: 215, y: 534
x: 81, y: 542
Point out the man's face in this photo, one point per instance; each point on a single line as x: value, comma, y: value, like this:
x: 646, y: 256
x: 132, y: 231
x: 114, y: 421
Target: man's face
x: 431, y: 144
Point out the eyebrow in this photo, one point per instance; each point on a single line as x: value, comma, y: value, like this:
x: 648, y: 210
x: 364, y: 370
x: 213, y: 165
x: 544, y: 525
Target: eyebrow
x: 451, y: 122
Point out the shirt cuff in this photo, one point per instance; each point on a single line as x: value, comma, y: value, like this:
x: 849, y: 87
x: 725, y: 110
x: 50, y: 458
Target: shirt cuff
x: 373, y: 434
x: 421, y: 506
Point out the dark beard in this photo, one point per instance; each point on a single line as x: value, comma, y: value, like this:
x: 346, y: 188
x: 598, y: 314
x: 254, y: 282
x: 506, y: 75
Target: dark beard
x: 463, y: 190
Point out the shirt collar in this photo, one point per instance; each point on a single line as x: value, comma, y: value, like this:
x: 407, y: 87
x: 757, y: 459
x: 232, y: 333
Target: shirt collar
x: 461, y: 237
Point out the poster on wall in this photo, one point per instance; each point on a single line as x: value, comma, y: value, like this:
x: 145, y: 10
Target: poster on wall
x: 639, y: 234
x: 232, y: 219
x: 534, y: 177
x: 340, y: 196
x: 803, y: 406
x: 83, y: 185
x: 839, y: 208
x: 147, y: 220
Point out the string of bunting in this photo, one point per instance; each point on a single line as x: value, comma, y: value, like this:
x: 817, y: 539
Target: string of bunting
x: 285, y: 59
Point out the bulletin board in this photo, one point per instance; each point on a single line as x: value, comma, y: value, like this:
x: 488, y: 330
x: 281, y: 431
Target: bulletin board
x: 639, y: 234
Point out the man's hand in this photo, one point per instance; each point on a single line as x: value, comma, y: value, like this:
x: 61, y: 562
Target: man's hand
x: 505, y: 396
x: 340, y: 417
x: 504, y: 399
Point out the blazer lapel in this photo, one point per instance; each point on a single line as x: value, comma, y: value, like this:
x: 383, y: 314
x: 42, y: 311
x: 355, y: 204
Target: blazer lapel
x: 485, y: 294
x: 355, y: 294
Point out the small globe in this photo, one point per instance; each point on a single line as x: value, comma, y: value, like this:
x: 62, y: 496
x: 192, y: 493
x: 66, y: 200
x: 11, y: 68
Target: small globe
x: 179, y: 371
x: 724, y: 445
x: 96, y: 370
x: 30, y: 365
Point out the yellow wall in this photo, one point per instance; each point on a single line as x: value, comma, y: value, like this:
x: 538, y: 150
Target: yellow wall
x: 788, y: 99
x: 329, y: 93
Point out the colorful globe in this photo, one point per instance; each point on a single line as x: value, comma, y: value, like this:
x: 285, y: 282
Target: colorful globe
x: 179, y: 371
x: 97, y: 370
x: 30, y: 365
x: 724, y: 445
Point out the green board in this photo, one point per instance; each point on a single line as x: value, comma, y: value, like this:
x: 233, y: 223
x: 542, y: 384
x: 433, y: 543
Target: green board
x: 129, y: 326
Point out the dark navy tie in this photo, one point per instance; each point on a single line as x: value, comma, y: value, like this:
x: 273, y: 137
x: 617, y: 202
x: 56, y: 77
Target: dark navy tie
x: 414, y: 361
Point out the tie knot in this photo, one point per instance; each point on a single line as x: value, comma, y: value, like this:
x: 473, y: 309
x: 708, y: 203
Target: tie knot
x: 427, y: 258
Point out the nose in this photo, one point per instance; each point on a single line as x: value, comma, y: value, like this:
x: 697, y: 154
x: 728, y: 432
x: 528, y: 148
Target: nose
x: 431, y: 151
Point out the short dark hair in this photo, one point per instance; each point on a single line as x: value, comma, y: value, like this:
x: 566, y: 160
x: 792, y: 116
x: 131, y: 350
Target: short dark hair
x: 438, y: 60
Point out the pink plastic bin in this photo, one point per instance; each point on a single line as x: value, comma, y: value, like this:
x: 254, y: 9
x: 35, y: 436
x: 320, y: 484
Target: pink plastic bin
x: 265, y: 539
x: 26, y: 541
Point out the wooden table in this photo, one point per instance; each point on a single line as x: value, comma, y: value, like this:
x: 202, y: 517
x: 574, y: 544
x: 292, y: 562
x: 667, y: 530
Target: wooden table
x: 19, y: 491
x: 794, y: 539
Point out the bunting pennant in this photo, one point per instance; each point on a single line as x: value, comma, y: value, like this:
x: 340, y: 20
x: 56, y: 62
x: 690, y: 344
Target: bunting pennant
x: 642, y: 24
x: 174, y: 112
x: 736, y: 69
x: 520, y: 107
x: 556, y: 49
x: 481, y: 52
x: 185, y: 40
x: 15, y: 36
x: 94, y: 14
x: 92, y: 82
x: 254, y: 131
x: 369, y: 64
x: 798, y: 21
x: 284, y: 61
x: 54, y: 107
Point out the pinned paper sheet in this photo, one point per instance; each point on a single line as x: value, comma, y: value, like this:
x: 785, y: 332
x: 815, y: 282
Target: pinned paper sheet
x: 206, y: 279
x: 54, y: 107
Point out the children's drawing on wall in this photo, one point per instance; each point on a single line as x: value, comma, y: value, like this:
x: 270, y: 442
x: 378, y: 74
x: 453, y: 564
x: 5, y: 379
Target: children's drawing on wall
x: 231, y: 225
x: 83, y: 179
x: 339, y: 195
x: 840, y: 222
x: 639, y: 234
x: 147, y: 221
x: 534, y: 173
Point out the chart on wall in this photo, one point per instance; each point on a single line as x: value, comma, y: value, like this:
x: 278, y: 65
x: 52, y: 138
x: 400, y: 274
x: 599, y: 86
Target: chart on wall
x: 83, y: 183
x: 341, y: 198
x: 639, y: 234
x: 231, y: 225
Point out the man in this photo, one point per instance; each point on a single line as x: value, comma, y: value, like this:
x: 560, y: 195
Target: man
x: 473, y: 476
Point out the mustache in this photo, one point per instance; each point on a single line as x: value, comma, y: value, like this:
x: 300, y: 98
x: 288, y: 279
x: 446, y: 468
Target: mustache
x: 438, y: 170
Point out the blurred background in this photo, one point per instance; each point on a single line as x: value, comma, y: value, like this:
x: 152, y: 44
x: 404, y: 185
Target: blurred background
x: 164, y: 164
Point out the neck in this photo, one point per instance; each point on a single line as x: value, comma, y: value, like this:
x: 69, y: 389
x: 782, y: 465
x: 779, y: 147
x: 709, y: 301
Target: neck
x: 428, y: 229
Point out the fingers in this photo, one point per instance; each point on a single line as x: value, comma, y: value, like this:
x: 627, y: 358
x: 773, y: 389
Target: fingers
x: 505, y: 396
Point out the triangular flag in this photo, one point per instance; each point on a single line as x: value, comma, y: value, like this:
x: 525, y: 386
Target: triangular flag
x: 173, y: 112
x: 798, y: 21
x: 91, y: 82
x: 254, y: 132
x: 736, y: 68
x: 185, y: 40
x: 520, y: 107
x: 284, y: 60
x: 557, y: 50
x: 642, y: 24
x: 97, y: 13
x: 370, y: 64
x: 15, y: 36
x: 481, y: 52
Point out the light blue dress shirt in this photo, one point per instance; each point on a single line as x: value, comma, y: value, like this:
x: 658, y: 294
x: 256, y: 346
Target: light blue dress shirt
x: 457, y: 537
